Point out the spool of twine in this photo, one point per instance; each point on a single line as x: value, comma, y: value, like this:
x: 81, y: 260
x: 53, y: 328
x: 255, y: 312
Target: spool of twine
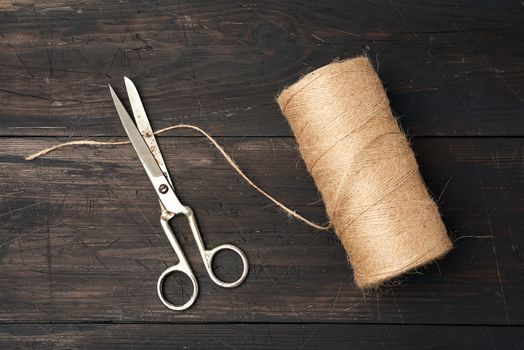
x: 365, y: 171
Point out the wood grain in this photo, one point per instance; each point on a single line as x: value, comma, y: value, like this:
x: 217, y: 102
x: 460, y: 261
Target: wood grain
x: 449, y: 68
x: 81, y: 239
x: 80, y: 243
x: 257, y: 336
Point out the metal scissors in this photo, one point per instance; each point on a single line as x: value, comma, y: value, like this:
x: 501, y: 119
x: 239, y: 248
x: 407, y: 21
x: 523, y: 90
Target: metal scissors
x: 146, y: 147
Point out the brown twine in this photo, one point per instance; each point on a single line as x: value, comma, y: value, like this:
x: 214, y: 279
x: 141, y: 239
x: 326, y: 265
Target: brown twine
x: 365, y: 171
x: 226, y: 156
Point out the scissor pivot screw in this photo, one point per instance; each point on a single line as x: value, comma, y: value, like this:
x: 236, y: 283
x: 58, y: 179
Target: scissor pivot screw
x: 163, y: 188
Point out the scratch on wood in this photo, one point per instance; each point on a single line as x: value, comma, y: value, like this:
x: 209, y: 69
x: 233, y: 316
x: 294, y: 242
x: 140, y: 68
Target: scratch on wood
x: 490, y: 227
x: 336, y: 299
x: 223, y: 343
x: 398, y: 307
x: 309, y: 336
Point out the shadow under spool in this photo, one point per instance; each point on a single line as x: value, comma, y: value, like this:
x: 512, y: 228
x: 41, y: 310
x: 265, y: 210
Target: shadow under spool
x: 365, y: 171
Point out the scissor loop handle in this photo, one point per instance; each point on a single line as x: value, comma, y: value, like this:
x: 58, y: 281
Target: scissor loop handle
x: 160, y: 286
x: 209, y: 254
x: 208, y: 257
x: 182, y: 266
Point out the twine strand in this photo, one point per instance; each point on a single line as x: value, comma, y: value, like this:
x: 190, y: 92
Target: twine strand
x: 220, y: 149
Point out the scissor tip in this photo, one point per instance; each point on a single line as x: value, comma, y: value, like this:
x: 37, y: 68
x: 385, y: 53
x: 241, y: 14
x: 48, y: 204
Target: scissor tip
x: 111, y: 90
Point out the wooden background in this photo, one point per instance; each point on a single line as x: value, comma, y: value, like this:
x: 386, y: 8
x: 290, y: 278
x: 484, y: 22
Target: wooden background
x: 80, y: 243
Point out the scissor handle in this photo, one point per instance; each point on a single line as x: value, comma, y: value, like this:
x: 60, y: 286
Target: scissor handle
x: 160, y: 287
x: 208, y: 255
x: 182, y: 266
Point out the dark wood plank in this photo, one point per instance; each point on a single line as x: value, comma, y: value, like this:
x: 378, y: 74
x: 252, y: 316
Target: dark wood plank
x: 258, y: 336
x: 450, y: 68
x: 80, y: 239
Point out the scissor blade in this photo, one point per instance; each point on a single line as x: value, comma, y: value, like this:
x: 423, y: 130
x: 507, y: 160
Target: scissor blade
x: 144, y: 154
x: 136, y: 105
x: 142, y: 122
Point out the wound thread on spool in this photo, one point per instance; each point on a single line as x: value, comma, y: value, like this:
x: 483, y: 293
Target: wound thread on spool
x: 365, y: 170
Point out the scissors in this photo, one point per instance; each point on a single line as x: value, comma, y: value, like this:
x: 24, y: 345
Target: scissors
x: 146, y: 147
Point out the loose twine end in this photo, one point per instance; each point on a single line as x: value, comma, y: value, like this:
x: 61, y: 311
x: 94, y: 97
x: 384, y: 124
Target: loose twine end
x: 226, y: 156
